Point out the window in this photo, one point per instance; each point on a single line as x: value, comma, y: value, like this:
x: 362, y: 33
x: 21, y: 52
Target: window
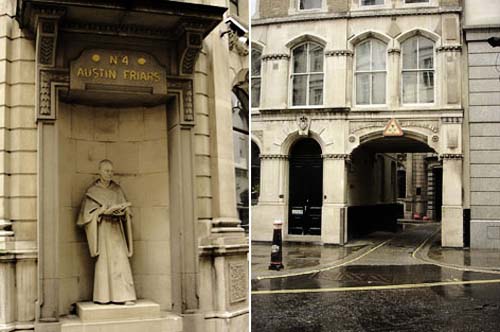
x: 307, y: 75
x: 234, y: 7
x: 256, y: 76
x: 309, y: 4
x: 370, y: 72
x: 416, y: 1
x: 241, y: 160
x: 371, y: 2
x: 255, y: 180
x: 418, y: 70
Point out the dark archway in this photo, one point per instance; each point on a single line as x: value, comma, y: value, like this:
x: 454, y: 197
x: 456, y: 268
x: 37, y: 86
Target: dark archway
x: 306, y: 188
x: 377, y: 193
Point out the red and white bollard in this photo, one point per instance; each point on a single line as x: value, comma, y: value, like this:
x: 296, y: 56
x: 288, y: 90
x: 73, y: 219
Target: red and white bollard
x: 276, y: 248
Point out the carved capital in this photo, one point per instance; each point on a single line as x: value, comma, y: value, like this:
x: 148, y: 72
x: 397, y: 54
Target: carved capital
x: 449, y: 48
x: 455, y: 156
x: 394, y: 51
x: 48, y: 79
x: 343, y: 156
x: 346, y: 53
x: 271, y: 57
x: 451, y: 120
x: 185, y: 88
x: 274, y: 156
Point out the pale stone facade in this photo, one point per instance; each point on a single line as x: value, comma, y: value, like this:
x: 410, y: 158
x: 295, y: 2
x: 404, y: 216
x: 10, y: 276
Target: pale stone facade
x: 483, y: 115
x: 170, y: 139
x: 343, y: 127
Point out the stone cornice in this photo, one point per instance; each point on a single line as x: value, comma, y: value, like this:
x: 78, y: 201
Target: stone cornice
x: 277, y: 56
x: 339, y: 53
x: 389, y: 12
x: 449, y: 48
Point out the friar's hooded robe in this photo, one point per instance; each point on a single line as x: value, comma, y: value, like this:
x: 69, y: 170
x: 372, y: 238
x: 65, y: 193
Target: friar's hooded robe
x: 110, y: 240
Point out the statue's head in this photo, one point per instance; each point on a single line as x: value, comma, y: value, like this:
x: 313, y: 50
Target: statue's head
x: 106, y: 170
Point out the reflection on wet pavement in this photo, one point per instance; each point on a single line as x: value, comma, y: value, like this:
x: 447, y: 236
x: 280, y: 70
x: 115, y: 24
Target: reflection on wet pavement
x: 453, y: 307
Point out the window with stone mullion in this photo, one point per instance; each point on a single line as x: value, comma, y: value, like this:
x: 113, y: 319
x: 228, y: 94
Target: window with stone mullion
x: 255, y: 77
x: 418, y: 70
x: 307, y: 75
x: 370, y: 73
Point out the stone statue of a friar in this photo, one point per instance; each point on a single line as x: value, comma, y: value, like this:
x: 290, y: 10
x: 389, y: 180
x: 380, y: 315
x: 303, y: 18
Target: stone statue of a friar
x: 105, y: 215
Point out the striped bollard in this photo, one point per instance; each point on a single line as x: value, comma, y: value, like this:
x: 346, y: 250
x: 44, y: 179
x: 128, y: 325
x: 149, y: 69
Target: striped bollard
x: 276, y: 248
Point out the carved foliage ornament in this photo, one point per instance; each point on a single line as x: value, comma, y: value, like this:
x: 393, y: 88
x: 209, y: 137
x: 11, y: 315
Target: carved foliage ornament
x: 186, y: 86
x: 237, y: 282
x: 47, y: 77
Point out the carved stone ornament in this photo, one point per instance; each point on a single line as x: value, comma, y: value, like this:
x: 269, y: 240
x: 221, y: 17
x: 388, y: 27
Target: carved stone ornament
x: 452, y: 156
x: 393, y: 128
x: 303, y: 123
x: 343, y: 156
x: 186, y: 89
x: 48, y: 79
x: 352, y: 139
x: 346, y: 53
x: 270, y: 57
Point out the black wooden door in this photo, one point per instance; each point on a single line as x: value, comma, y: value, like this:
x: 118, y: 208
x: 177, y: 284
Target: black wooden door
x: 306, y: 188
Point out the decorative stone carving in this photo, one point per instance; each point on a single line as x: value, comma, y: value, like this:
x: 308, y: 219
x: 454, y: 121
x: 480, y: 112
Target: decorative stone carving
x: 236, y: 45
x: 355, y: 127
x: 193, y: 45
x: 449, y: 48
x: 352, y: 139
x: 339, y: 53
x: 270, y: 57
x: 452, y: 156
x: 238, y: 282
x: 105, y: 216
x: 186, y: 89
x: 274, y: 156
x: 452, y: 120
x: 344, y: 156
x: 47, y: 79
x: 394, y: 51
x: 303, y: 123
x: 435, y: 138
x: 259, y: 134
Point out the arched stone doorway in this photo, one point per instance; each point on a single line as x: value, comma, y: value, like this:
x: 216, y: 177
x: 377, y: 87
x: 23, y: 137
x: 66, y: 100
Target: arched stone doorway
x: 305, y: 188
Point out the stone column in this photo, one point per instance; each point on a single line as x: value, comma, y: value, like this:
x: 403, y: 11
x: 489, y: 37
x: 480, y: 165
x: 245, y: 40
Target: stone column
x: 452, y: 210
x: 335, y: 79
x: 394, y: 78
x: 274, y: 81
x: 334, y: 210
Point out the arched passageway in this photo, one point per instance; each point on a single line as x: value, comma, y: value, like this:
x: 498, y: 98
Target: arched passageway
x: 392, y: 180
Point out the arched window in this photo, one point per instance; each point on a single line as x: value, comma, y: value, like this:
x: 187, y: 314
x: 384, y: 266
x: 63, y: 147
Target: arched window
x: 256, y: 76
x: 418, y: 70
x: 307, y: 74
x: 370, y: 72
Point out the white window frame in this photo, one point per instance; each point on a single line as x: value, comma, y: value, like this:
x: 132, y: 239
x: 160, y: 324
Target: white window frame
x: 417, y: 71
x: 310, y: 9
x: 307, y: 73
x: 355, y: 72
x: 252, y: 77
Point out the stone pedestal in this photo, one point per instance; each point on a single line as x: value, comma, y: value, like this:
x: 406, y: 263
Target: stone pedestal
x: 143, y: 316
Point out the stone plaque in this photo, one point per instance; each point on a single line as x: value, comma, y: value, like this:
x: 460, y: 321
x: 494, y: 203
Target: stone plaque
x: 121, y: 77
x: 238, y: 282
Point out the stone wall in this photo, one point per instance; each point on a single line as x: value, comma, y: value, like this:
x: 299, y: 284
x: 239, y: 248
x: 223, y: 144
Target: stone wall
x: 18, y: 169
x: 273, y: 8
x: 484, y: 115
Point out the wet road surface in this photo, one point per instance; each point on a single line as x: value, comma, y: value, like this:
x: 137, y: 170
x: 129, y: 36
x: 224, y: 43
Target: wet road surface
x: 386, y: 289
